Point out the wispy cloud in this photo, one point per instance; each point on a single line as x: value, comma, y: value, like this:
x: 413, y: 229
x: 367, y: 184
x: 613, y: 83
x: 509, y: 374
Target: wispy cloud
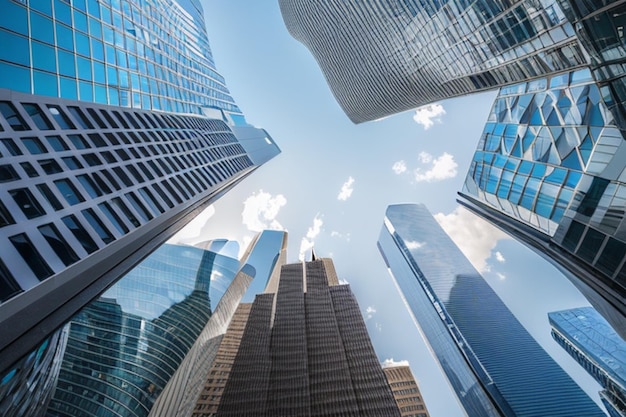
x: 308, y: 241
x: 501, y: 276
x: 338, y: 235
x: 500, y: 257
x: 346, y: 189
x: 474, y: 236
x: 441, y: 168
x: 399, y: 167
x: 428, y: 115
x: 388, y: 363
x: 260, y: 211
x: 412, y: 244
x: 369, y: 312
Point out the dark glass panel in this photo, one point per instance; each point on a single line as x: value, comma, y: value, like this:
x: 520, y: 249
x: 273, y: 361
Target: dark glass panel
x: 49, y: 195
x: 12, y: 116
x: 58, y: 244
x: 41, y: 121
x: 80, y: 233
x: 27, y: 202
x: 98, y: 226
x: 8, y: 287
x: 31, y: 256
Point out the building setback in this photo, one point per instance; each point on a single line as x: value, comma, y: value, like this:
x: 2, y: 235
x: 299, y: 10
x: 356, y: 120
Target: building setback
x: 305, y: 351
x: 493, y: 364
x: 405, y: 391
x: 589, y: 339
x: 115, y: 131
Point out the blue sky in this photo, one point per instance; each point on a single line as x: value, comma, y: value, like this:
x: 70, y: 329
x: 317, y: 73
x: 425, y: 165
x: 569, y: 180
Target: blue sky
x: 332, y: 182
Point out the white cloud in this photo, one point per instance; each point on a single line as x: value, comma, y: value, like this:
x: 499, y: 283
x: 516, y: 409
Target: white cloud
x: 474, y: 236
x: 399, y: 167
x: 369, y: 312
x: 308, y: 241
x: 338, y: 235
x: 191, y: 233
x: 260, y: 211
x: 501, y: 276
x: 428, y: 115
x: 346, y: 189
x: 500, y: 257
x: 411, y: 244
x: 388, y: 363
x: 442, y: 167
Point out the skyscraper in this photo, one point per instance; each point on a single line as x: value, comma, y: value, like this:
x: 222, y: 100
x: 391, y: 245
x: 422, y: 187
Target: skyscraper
x: 405, y: 391
x: 146, y: 344
x: 589, y: 339
x: 385, y: 56
x: 494, y: 366
x: 305, y: 351
x: 116, y: 130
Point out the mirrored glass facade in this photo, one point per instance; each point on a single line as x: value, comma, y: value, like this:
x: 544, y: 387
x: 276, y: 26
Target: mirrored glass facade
x: 493, y: 364
x: 591, y: 341
x: 385, y: 56
x: 115, y: 130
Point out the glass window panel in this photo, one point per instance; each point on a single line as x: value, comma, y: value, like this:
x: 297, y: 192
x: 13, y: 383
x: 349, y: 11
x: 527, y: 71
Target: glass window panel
x: 113, y: 218
x: 78, y: 141
x: 92, y: 189
x: 80, y: 117
x: 80, y: 20
x: 14, y: 48
x: 58, y: 244
x: 117, y: 202
x: 65, y: 38
x: 11, y: 146
x: 29, y: 169
x: 101, y: 183
x: 8, y: 173
x: 35, y: 113
x: 31, y: 256
x: 98, y: 226
x: 92, y: 159
x: 62, y: 12
x: 68, y: 86
x: 14, y: 17
x: 5, y: 217
x: 41, y: 28
x: 84, y: 68
x: 59, y: 116
x: 69, y: 192
x: 15, y: 77
x: 27, y: 202
x: 57, y: 143
x: 50, y: 166
x: 49, y: 195
x: 86, y: 90
x: 611, y: 256
x: 590, y: 245
x: 12, y: 116
x: 139, y: 207
x: 72, y: 223
x: 8, y: 287
x: 72, y: 162
x: 152, y: 202
x: 44, y: 6
x: 34, y: 145
x: 67, y: 66
x: 45, y: 84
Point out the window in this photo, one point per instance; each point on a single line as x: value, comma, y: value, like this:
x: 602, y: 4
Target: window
x: 126, y: 211
x: 11, y: 146
x: 139, y: 207
x: 69, y: 192
x: 57, y: 143
x: 8, y: 173
x: 50, y: 166
x: 12, y: 116
x: 34, y: 145
x: 80, y: 233
x: 92, y: 189
x: 98, y: 226
x: 41, y: 121
x: 5, y: 217
x: 113, y: 218
x: 80, y: 117
x: 29, y: 169
x: 33, y: 258
x: 59, y: 116
x: 8, y: 286
x: 27, y: 202
x: 78, y: 141
x: 72, y: 162
x: 49, y: 195
x: 58, y: 244
x: 92, y: 159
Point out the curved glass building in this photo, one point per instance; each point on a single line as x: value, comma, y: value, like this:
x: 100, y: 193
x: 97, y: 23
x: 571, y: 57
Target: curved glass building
x: 493, y: 364
x: 115, y: 130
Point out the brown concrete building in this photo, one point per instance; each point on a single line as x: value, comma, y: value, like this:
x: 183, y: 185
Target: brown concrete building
x: 405, y: 391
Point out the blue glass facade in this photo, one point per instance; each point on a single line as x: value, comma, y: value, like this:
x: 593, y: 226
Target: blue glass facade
x: 152, y: 55
x: 591, y: 341
x: 487, y: 355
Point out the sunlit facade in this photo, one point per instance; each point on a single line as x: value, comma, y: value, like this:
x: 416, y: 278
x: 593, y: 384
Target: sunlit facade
x: 115, y: 130
x: 381, y: 57
x: 591, y: 341
x: 495, y: 367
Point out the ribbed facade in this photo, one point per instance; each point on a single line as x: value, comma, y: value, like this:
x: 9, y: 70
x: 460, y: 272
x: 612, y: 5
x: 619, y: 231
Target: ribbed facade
x: 487, y: 355
x: 591, y: 341
x: 115, y: 131
x: 305, y: 351
x: 405, y: 391
x: 381, y: 57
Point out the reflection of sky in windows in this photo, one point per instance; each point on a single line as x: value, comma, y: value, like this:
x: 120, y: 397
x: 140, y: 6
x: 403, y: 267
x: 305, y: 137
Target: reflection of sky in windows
x: 540, y: 138
x: 263, y: 258
x: 152, y: 56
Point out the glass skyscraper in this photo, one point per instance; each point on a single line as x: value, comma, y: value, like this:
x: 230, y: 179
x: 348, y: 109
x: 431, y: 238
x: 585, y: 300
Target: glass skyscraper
x: 493, y: 364
x: 147, y: 342
x: 386, y: 56
x: 591, y: 341
x: 115, y: 130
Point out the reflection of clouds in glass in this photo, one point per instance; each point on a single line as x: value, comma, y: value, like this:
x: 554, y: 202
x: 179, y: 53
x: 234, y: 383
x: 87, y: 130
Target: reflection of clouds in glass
x: 411, y: 244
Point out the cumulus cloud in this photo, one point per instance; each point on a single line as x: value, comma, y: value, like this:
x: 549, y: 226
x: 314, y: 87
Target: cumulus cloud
x: 191, y: 233
x: 399, y: 167
x: 388, y: 363
x: 500, y: 257
x: 428, y: 115
x: 369, y: 312
x: 260, y: 211
x: 441, y: 168
x: 412, y: 244
x: 474, y: 236
x: 346, y: 189
x: 308, y: 241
